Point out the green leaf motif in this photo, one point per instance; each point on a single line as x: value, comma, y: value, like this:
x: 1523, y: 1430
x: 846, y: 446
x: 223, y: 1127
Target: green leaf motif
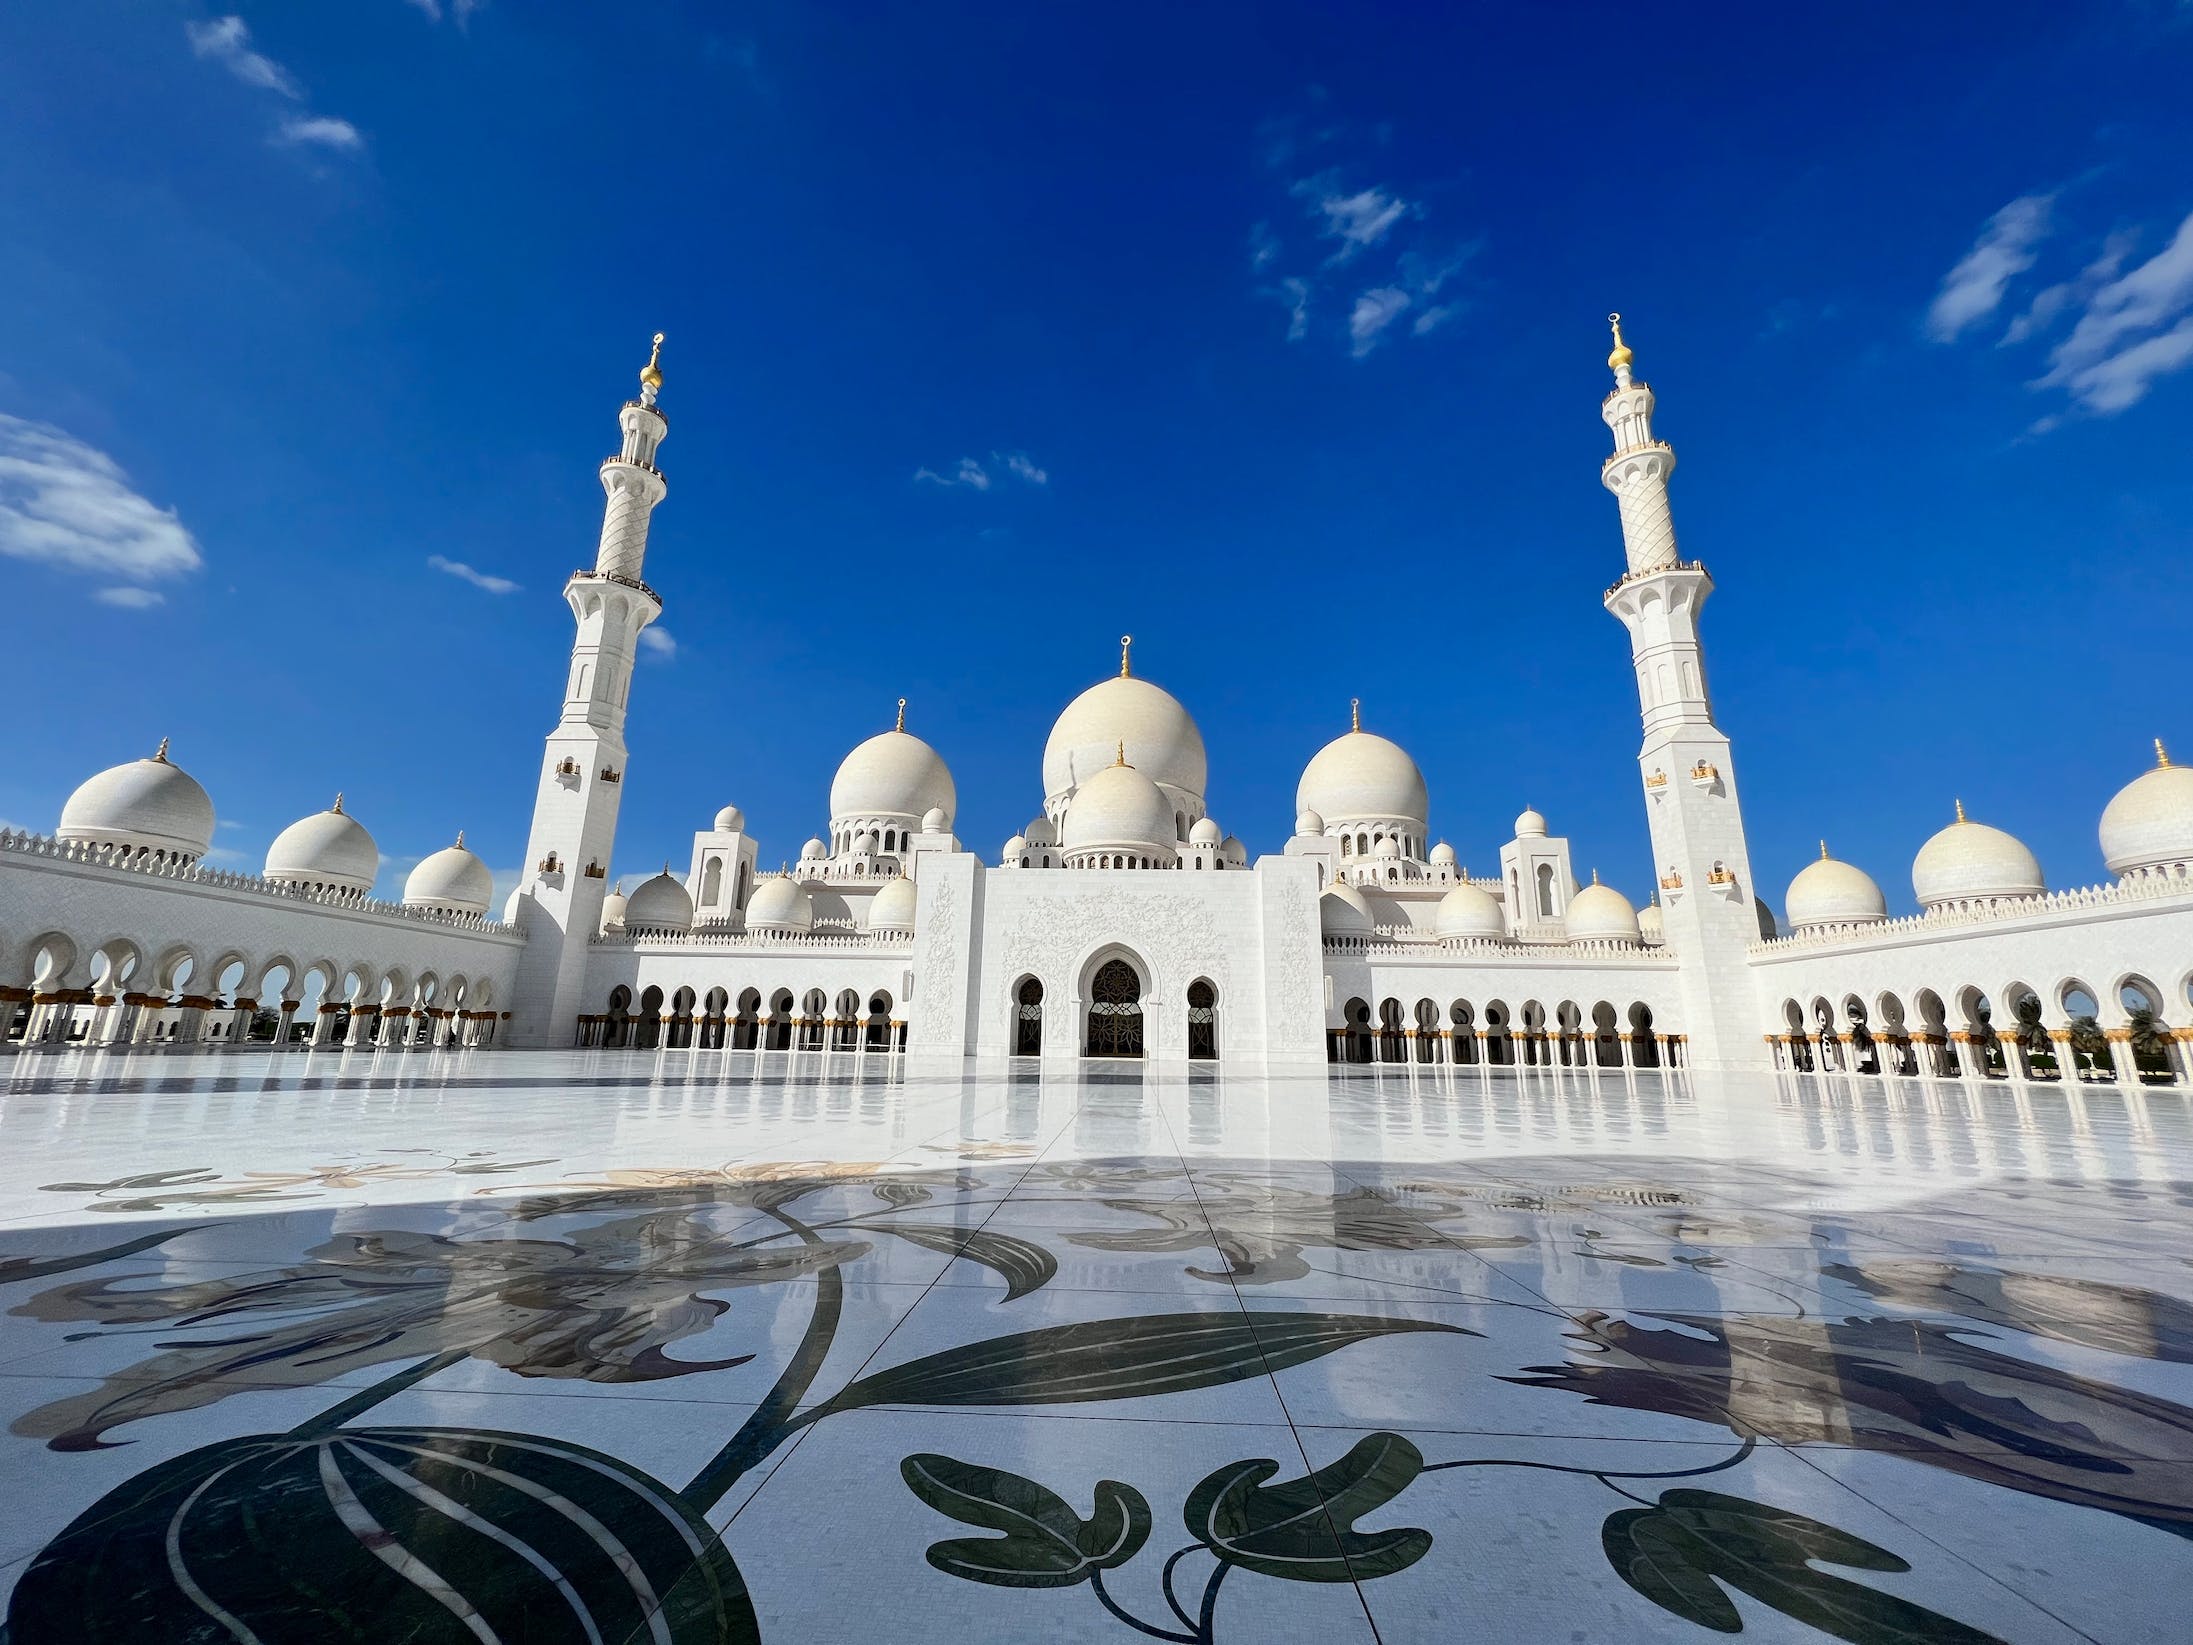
x: 1117, y: 1359
x: 1304, y: 1530
x: 1676, y: 1553
x: 1025, y: 1265
x: 1045, y: 1543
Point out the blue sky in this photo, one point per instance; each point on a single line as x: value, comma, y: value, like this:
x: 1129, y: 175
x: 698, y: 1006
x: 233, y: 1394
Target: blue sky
x: 1273, y: 333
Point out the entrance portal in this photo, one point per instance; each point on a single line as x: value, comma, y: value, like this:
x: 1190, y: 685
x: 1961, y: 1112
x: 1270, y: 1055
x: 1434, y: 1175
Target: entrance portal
x: 1028, y: 1020
x: 1115, y: 1011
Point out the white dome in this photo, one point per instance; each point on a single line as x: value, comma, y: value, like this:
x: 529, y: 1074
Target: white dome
x: 814, y: 851
x: 1342, y: 912
x: 779, y: 904
x: 1014, y: 847
x: 613, y: 908
x: 329, y: 848
x: 1971, y: 862
x: 1651, y: 929
x: 892, y: 908
x: 1387, y: 850
x: 895, y: 774
x: 864, y: 844
x: 1829, y: 892
x: 1442, y: 855
x: 1362, y: 776
x: 1233, y: 850
x: 936, y: 820
x: 1469, y: 911
x: 1530, y: 825
x: 1162, y: 742
x: 147, y: 805
x: 659, y: 904
x: 1205, y: 832
x: 1040, y: 832
x: 1119, y: 809
x: 452, y: 880
x: 2150, y: 822
x: 730, y: 820
x: 1309, y: 822
x: 513, y: 904
x: 1599, y: 913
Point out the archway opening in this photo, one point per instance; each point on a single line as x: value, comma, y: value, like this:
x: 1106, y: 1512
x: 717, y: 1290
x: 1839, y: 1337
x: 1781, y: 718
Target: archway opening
x: 1202, y: 1019
x: 1115, y: 1011
x: 1028, y: 1018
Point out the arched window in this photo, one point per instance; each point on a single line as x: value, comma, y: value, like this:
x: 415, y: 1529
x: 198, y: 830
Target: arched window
x: 712, y: 882
x: 1545, y: 890
x: 1202, y: 1019
x: 1028, y: 1019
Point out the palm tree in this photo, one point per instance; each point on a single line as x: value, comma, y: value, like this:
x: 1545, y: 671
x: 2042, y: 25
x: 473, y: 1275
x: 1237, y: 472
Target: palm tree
x: 2029, y: 1033
x: 2150, y: 1042
x: 2087, y: 1037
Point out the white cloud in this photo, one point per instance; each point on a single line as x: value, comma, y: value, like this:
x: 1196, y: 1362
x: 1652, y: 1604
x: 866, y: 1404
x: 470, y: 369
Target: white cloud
x: 1022, y: 467
x: 2150, y: 296
x: 131, y: 599
x: 1359, y: 220
x: 2005, y: 249
x: 478, y: 579
x: 1263, y: 246
x: 227, y: 41
x: 968, y: 473
x: 1374, y: 311
x: 1433, y: 318
x: 2119, y: 380
x: 1295, y: 293
x: 2052, y: 302
x: 657, y: 639
x: 321, y: 131
x: 460, y: 10
x: 66, y: 504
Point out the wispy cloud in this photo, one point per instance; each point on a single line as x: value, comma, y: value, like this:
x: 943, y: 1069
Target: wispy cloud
x: 2120, y: 345
x: 67, y: 504
x: 465, y: 573
x: 1357, y: 220
x: 976, y: 476
x: 1263, y: 246
x: 1974, y: 288
x: 227, y: 41
x: 1022, y: 467
x: 968, y: 473
x: 460, y: 11
x: 657, y: 641
x: 1374, y: 311
x: 131, y: 599
x: 321, y: 131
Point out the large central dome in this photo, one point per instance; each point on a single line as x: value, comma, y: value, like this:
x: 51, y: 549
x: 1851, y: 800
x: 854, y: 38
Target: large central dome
x: 1161, y: 741
x: 892, y: 775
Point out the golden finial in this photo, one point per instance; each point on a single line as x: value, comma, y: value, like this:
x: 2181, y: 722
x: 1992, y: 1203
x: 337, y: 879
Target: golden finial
x: 1355, y: 713
x: 460, y: 839
x: 1823, y: 851
x: 1125, y: 642
x: 1621, y: 355
x: 161, y: 753
x: 1122, y: 760
x: 651, y: 373
x: 2162, y: 756
x: 901, y: 726
x: 1960, y: 810
x: 1595, y: 876
x: 337, y: 807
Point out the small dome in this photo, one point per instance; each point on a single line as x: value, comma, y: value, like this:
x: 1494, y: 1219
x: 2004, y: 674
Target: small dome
x: 892, y: 908
x: 1599, y: 913
x: 1650, y: 928
x: 864, y: 844
x: 1387, y: 850
x: 1829, y: 892
x: 936, y: 820
x: 613, y: 909
x: 1205, y: 832
x: 780, y: 905
x: 1972, y: 862
x: 1162, y: 742
x: 1233, y: 850
x: 1309, y: 822
x: 730, y: 820
x: 1530, y: 825
x: 1470, y: 912
x: 329, y: 848
x: 894, y: 774
x: 146, y: 805
x: 814, y: 851
x: 1342, y: 912
x: 453, y: 880
x: 1040, y: 832
x: 659, y: 904
x: 1363, y: 776
x: 1442, y: 855
x: 2149, y: 824
x: 514, y: 905
x: 1119, y: 809
x: 1014, y: 847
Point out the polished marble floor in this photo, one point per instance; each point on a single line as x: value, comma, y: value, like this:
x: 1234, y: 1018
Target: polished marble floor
x: 690, y: 1346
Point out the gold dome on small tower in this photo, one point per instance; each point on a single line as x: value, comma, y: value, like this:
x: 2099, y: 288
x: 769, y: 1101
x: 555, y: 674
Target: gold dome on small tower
x: 651, y: 373
x: 1621, y: 355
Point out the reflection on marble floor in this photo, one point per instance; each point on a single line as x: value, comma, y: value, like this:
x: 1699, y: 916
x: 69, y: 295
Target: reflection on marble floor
x: 700, y: 1346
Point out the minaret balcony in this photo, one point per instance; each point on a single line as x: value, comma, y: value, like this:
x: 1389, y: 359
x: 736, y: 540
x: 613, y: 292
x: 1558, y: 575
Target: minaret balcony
x: 617, y: 459
x: 587, y: 575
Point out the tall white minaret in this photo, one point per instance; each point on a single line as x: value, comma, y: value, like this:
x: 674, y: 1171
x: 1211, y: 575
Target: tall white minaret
x: 582, y: 767
x: 1708, y: 906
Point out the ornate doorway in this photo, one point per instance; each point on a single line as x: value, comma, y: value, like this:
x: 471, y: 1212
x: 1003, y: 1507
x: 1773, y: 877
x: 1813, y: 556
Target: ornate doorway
x: 1202, y: 1019
x: 1115, y: 1011
x: 1028, y: 1020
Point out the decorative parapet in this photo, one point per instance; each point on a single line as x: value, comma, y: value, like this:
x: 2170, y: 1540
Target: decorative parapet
x: 1658, y: 570
x: 2127, y: 894
x: 590, y: 575
x: 1382, y: 947
x: 820, y: 942
x: 124, y: 860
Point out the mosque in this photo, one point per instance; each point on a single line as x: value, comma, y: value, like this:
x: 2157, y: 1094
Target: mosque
x: 1122, y: 920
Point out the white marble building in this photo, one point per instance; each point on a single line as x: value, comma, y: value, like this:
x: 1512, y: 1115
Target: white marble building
x: 1122, y: 920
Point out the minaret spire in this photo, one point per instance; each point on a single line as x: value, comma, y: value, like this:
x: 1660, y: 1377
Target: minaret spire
x: 1126, y: 642
x: 901, y: 726
x: 1355, y: 713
